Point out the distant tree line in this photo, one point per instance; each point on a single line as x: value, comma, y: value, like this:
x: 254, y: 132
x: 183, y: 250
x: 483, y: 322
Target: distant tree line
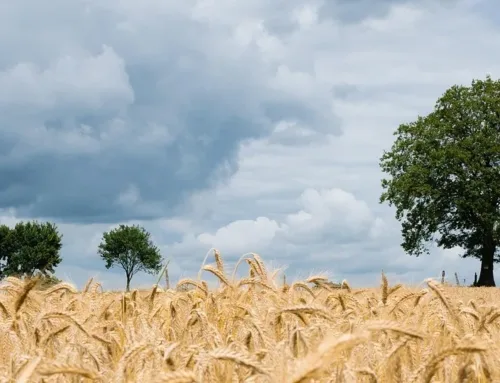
x: 33, y: 249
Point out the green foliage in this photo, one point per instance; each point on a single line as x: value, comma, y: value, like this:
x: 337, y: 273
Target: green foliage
x: 6, y: 249
x: 29, y: 247
x: 445, y: 174
x: 130, y: 247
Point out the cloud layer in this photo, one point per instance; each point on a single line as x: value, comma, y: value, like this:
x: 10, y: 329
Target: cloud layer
x: 248, y: 126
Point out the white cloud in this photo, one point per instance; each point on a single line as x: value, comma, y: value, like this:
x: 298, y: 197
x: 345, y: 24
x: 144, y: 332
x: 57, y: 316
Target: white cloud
x: 239, y: 236
x: 325, y: 218
x: 82, y: 82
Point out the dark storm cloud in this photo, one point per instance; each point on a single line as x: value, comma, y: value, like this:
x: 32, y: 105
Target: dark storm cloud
x: 116, y: 111
x: 353, y: 11
x: 340, y: 11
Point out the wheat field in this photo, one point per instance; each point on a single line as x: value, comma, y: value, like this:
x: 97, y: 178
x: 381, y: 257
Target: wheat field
x: 249, y: 330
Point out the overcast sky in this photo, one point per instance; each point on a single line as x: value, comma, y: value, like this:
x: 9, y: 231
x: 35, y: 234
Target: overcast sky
x: 249, y: 126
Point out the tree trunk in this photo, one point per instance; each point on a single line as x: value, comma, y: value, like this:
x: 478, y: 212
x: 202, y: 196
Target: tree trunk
x: 486, y: 277
x: 129, y: 277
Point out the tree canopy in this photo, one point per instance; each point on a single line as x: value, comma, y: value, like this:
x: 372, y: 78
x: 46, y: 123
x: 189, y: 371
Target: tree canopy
x: 131, y: 248
x: 29, y: 247
x: 445, y: 176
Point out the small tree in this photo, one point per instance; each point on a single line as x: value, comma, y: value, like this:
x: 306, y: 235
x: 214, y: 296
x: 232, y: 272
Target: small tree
x: 5, y: 248
x: 29, y: 247
x: 130, y: 247
x: 445, y: 176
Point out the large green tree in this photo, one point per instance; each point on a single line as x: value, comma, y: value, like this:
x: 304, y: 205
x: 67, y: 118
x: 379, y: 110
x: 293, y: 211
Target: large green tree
x: 131, y: 248
x: 445, y: 176
x: 29, y: 247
